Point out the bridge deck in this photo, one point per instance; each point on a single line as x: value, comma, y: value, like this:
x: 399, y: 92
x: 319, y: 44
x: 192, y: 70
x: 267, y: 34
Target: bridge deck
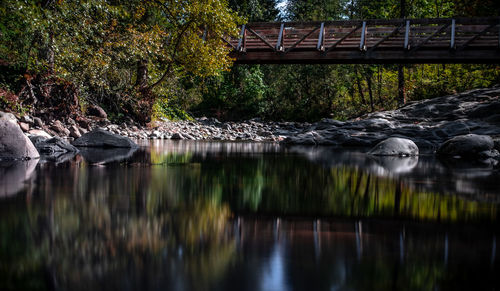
x: 460, y: 40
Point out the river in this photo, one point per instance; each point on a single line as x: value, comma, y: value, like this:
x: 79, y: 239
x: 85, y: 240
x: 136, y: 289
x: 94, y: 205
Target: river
x: 186, y: 215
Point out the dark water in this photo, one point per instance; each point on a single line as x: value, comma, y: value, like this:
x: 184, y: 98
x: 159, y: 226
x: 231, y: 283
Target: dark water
x: 242, y: 216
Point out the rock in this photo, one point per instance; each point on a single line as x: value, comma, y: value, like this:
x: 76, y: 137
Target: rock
x: 102, y: 138
x: 176, y: 136
x: 39, y: 133
x: 74, y: 131
x: 38, y: 122
x: 8, y: 116
x: 496, y: 142
x: 83, y: 122
x: 485, y: 110
x: 97, y: 111
x: 395, y: 146
x: 24, y: 126
x: 59, y: 128
x: 52, y: 146
x: 26, y: 118
x: 13, y: 143
x: 468, y: 146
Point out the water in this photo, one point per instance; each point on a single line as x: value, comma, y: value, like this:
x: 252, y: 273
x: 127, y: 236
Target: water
x: 247, y: 216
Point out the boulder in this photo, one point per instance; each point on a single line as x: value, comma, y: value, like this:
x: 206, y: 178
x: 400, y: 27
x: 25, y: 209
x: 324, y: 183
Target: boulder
x: 395, y: 146
x: 59, y: 128
x: 74, y: 131
x: 469, y: 145
x: 39, y: 132
x: 97, y: 111
x: 13, y: 143
x: 38, y: 122
x: 8, y: 116
x: 177, y: 136
x: 105, y: 139
x: 52, y: 146
x: 24, y: 126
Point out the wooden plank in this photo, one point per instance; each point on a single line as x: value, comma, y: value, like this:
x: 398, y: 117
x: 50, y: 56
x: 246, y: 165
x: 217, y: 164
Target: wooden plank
x: 300, y: 40
x: 342, y: 39
x: 389, y: 22
x: 441, y: 29
x: 396, y: 30
x: 464, y: 45
x: 379, y: 57
x: 229, y: 43
x: 260, y: 37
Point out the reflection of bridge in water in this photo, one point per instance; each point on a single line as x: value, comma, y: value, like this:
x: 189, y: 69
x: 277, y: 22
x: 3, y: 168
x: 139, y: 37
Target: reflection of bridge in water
x: 460, y: 40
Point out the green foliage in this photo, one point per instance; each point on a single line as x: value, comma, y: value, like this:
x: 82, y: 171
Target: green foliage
x: 119, y: 53
x: 163, y: 109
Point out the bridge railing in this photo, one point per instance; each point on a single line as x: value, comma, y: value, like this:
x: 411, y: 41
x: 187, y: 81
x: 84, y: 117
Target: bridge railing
x: 368, y: 36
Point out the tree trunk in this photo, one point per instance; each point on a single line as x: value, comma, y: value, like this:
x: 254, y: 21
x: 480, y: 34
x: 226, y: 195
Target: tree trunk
x: 142, y: 74
x: 379, y: 86
x: 370, y: 91
x: 358, y: 82
x: 401, y: 86
x: 401, y: 73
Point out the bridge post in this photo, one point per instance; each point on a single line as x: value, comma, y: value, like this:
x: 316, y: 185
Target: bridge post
x: 279, y: 43
x: 452, y: 37
x: 362, y: 46
x: 240, y: 46
x: 320, y: 46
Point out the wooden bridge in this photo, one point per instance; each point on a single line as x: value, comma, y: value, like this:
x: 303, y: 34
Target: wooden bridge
x: 438, y: 40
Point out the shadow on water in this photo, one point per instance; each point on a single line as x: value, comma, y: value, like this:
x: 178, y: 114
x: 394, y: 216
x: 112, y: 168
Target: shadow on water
x: 247, y: 216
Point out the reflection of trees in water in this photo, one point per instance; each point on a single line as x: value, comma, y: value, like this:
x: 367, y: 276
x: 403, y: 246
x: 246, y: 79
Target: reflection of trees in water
x: 294, y: 186
x: 87, y: 224
x: 162, y: 216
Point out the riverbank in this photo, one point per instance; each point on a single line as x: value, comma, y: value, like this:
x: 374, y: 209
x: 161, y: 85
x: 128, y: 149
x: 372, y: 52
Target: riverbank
x: 428, y: 123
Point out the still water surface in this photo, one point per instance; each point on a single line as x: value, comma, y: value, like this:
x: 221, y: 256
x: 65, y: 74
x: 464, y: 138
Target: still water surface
x: 247, y: 216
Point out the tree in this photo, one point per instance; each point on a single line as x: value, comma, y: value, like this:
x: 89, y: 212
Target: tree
x: 126, y: 48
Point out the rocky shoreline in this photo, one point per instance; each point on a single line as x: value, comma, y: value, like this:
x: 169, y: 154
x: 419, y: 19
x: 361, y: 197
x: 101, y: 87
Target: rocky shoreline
x: 428, y: 123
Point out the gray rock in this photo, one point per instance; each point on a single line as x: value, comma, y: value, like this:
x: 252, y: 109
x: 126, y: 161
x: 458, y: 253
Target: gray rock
x: 97, y: 111
x: 470, y: 145
x: 496, y: 142
x: 8, y: 116
x: 177, y: 136
x: 395, y: 146
x: 74, y: 131
x: 40, y: 133
x: 485, y: 110
x: 59, y: 128
x: 38, y: 122
x: 24, y: 126
x: 13, y: 143
x: 52, y: 146
x: 105, y: 139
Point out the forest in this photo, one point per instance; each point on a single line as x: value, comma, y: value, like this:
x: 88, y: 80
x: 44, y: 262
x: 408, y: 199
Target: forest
x: 147, y: 60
